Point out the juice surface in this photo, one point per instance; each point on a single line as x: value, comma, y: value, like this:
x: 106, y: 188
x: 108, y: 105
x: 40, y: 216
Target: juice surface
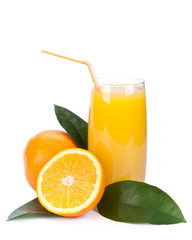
x: 117, y: 132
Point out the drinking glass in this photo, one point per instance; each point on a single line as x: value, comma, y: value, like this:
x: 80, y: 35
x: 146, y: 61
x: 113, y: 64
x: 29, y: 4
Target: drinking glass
x: 117, y: 129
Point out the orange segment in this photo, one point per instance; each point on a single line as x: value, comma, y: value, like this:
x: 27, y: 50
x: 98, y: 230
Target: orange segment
x: 71, y: 183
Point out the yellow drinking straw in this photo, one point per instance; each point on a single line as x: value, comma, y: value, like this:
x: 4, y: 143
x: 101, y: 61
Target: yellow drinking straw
x: 75, y: 60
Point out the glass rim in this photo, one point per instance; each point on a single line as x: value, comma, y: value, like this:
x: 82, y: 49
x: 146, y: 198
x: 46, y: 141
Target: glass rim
x: 119, y: 81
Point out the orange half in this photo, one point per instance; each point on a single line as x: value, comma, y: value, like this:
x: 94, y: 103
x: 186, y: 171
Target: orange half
x: 71, y: 183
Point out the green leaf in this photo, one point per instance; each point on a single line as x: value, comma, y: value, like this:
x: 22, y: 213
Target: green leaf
x: 32, y: 207
x: 137, y: 202
x: 76, y: 127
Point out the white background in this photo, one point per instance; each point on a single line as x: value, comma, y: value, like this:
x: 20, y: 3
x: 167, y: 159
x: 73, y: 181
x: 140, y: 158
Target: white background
x: 149, y: 39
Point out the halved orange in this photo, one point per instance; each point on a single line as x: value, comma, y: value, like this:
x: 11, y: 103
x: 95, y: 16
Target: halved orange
x: 71, y: 183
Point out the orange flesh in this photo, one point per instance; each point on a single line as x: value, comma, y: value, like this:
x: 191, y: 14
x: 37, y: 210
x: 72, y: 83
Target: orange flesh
x: 55, y: 187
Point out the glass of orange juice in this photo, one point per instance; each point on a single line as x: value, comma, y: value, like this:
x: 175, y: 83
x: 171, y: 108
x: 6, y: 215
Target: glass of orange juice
x: 117, y: 129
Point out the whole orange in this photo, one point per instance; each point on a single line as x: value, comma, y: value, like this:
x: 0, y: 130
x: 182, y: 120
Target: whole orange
x: 40, y: 149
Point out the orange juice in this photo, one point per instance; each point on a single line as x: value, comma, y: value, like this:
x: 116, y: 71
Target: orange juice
x: 117, y: 131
